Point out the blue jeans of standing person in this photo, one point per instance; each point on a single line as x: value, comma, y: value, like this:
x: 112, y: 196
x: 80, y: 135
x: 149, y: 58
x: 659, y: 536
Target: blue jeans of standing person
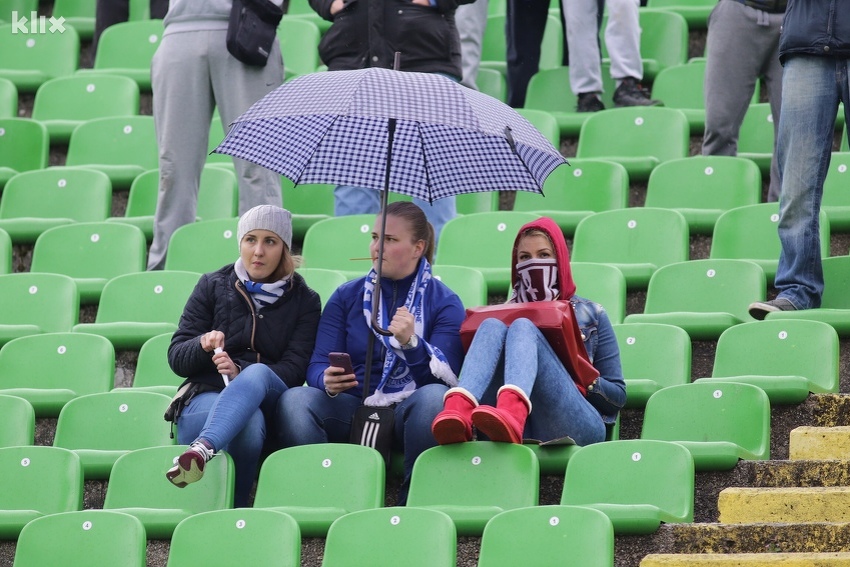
x: 350, y: 200
x: 812, y: 88
x: 308, y: 415
x: 234, y: 421
x: 519, y: 354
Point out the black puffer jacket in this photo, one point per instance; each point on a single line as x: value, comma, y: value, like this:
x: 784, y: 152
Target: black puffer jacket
x: 281, y: 335
x: 816, y: 27
x: 367, y: 33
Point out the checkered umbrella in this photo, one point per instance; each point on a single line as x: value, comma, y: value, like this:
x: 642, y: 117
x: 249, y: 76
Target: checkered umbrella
x: 418, y: 134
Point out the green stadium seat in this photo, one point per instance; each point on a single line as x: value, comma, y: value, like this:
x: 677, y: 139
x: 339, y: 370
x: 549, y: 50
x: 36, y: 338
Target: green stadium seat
x: 755, y: 139
x: 63, y: 103
x: 719, y: 423
x: 91, y: 253
x: 384, y: 537
x: 695, y: 12
x: 158, y: 301
x: 604, y: 284
x: 704, y: 297
x: 316, y: 484
x: 322, y: 281
x: 836, y: 197
x: 299, y: 44
x: 573, y: 534
x: 5, y: 252
x: 24, y: 146
x: 492, y: 82
x: 494, y: 44
x: 302, y: 10
x: 637, y: 240
x: 23, y: 7
x: 308, y: 204
x: 102, y: 427
x: 653, y: 356
x: 127, y: 48
x: 203, y: 246
x: 36, y: 303
x: 153, y: 373
x: 8, y: 99
x: 468, y: 283
x: 648, y: 482
x: 340, y: 243
x: 46, y: 480
x: 35, y: 201
x: 544, y: 122
x: 17, y: 421
x: 243, y: 536
x: 796, y: 356
x: 79, y: 14
x: 663, y: 41
x: 30, y: 59
x: 681, y: 87
x: 96, y: 538
x: 704, y: 187
x: 486, y: 478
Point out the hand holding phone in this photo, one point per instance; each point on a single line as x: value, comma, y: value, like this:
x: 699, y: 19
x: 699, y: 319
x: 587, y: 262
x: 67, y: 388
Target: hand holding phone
x: 341, y: 360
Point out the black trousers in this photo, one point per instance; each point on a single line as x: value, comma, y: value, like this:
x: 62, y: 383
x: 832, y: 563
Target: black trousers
x: 110, y: 12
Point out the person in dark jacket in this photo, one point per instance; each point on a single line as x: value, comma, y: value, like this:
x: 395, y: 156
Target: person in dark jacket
x: 368, y: 33
x: 410, y: 370
x: 814, y: 48
x: 245, y: 336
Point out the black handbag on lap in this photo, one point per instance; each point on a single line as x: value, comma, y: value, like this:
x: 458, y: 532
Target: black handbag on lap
x: 251, y: 30
x: 373, y: 426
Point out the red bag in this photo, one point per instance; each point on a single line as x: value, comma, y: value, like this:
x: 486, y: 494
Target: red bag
x: 555, y: 319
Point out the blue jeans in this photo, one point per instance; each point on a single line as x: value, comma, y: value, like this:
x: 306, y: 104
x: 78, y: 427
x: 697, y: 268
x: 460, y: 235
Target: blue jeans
x: 521, y: 356
x: 308, y: 415
x: 812, y: 87
x: 350, y: 200
x: 235, y: 421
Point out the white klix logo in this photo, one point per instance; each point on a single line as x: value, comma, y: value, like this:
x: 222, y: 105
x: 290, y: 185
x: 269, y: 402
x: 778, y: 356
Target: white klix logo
x: 36, y: 23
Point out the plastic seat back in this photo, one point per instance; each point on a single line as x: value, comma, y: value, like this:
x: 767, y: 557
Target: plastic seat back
x: 653, y: 356
x: 704, y: 187
x: 750, y: 233
x: 575, y: 535
x: 153, y: 373
x: 123, y: 147
x: 681, y: 87
x: 50, y: 370
x: 604, y: 284
x: 663, y: 41
x: 308, y: 203
x: 37, y: 303
x: 695, y: 12
x: 8, y: 99
x: 487, y: 478
x: 127, y: 48
x: 704, y: 297
x: 97, y: 538
x: 316, y: 484
x: 91, y: 253
x: 137, y: 486
x: 102, y: 427
x: 423, y: 538
x: 638, y: 137
x: 31, y: 59
x: 6, y: 253
x: 299, y: 44
x: 340, y: 243
x: 64, y: 103
x: 24, y: 145
x: 159, y: 298
x: 17, y: 421
x: 573, y: 192
x: 242, y: 537
x: 492, y: 82
x: 79, y: 14
x: 544, y: 122
x: 836, y: 197
x: 650, y: 482
x: 755, y: 138
x: 467, y: 283
x: 40, y: 481
x: 796, y: 356
x: 637, y: 240
x: 35, y: 201
x: 718, y: 422
x: 322, y: 281
x: 494, y: 44
x: 498, y: 229
x: 203, y: 246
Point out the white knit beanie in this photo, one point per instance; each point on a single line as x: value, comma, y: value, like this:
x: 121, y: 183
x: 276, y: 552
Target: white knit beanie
x: 267, y: 217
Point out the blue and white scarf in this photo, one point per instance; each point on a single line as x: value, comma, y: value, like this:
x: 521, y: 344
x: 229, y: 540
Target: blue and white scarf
x: 262, y: 294
x: 396, y: 380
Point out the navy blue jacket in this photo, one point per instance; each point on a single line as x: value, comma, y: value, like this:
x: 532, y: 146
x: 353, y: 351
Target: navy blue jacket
x: 815, y: 27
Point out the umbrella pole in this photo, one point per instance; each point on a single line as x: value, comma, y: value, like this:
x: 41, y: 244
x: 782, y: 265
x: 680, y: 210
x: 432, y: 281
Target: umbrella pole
x: 385, y: 197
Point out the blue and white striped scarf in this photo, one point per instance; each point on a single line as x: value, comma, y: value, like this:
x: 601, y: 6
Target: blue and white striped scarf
x: 396, y: 380
x: 263, y: 294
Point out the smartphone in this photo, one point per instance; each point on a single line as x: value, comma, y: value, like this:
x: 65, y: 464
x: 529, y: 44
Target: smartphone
x: 342, y: 360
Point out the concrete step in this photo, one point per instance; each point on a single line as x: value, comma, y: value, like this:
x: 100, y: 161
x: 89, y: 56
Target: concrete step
x: 798, y: 473
x: 820, y: 443
x: 785, y: 505
x: 749, y: 560
x: 820, y: 537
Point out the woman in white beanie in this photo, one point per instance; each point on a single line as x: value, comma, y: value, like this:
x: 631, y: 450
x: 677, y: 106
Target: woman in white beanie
x: 245, y: 336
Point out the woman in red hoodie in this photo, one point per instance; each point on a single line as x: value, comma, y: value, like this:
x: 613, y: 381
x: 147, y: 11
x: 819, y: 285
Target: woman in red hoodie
x: 514, y: 369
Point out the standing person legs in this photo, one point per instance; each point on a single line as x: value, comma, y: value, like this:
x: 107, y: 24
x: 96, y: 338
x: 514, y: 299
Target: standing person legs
x: 471, y: 22
x: 182, y: 109
x: 350, y: 200
x: 236, y: 87
x: 582, y: 31
x: 525, y: 24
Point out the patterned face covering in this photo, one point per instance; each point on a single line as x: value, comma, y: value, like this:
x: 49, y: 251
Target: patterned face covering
x: 537, y: 280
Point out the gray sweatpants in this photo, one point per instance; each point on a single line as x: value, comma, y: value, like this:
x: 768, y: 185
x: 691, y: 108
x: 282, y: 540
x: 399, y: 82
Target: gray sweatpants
x: 192, y: 72
x: 742, y: 45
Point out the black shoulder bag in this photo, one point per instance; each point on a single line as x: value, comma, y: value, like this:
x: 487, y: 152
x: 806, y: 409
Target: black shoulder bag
x: 251, y: 30
x: 373, y: 426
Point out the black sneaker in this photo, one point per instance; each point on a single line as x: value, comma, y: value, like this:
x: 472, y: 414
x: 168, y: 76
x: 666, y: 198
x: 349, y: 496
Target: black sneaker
x: 631, y: 93
x: 760, y: 309
x: 589, y: 102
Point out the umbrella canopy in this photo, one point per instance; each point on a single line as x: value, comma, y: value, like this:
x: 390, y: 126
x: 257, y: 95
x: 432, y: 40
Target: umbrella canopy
x: 341, y: 127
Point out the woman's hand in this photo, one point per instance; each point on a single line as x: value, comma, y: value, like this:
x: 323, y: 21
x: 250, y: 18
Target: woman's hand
x: 337, y: 381
x: 402, y: 326
x: 212, y: 340
x: 338, y: 5
x: 225, y: 365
